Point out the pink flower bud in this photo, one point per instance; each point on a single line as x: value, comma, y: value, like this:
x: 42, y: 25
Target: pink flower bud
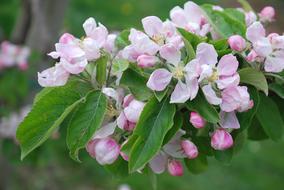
x: 189, y: 149
x: 221, y: 140
x: 145, y: 61
x: 267, y: 14
x: 252, y: 56
x: 237, y: 43
x: 124, y: 156
x: 106, y: 151
x: 175, y: 168
x: 196, y: 120
x: 127, y: 99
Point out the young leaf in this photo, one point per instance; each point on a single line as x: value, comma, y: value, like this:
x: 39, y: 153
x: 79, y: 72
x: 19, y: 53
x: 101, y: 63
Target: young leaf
x: 136, y: 84
x: 119, y: 65
x: 224, y: 23
x: 121, y: 40
x: 206, y: 110
x: 197, y: 165
x: 178, y: 122
x: 278, y: 89
x: 269, y: 117
x: 47, y: 114
x: 160, y: 95
x: 193, y: 39
x: 246, y: 6
x: 224, y: 156
x: 253, y: 77
x: 101, y: 70
x: 119, y: 168
x: 256, y: 132
x: 85, y: 121
x: 155, y: 121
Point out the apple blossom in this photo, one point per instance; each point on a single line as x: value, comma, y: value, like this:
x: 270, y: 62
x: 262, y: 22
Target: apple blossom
x: 190, y: 18
x: 196, y: 120
x: 270, y: 48
x: 221, y: 140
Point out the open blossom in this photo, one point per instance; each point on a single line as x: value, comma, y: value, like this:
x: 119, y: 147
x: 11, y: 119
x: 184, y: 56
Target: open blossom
x: 267, y: 14
x: 270, y: 47
x: 54, y: 76
x: 13, y: 55
x: 223, y: 75
x: 221, y: 140
x: 187, y: 85
x: 196, y: 120
x: 190, y: 18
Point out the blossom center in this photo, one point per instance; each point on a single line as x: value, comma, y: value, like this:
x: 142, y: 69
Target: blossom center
x: 178, y: 72
x: 213, y: 77
x: 159, y: 39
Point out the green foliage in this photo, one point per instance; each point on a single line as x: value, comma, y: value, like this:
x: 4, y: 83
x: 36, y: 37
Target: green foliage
x: 87, y: 118
x: 46, y: 116
x: 122, y: 39
x: 156, y: 120
x: 206, y: 110
x: 119, y: 65
x: 136, y: 83
x: 255, y: 78
x: 197, y: 165
x: 101, y: 69
x: 226, y: 23
x: 278, y: 89
x: 269, y: 117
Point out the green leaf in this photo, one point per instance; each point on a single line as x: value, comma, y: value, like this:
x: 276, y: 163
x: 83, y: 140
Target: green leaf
x: 206, y: 110
x: 197, y: 165
x: 256, y: 132
x: 224, y: 22
x: 225, y: 156
x: 278, y: 89
x: 45, y: 117
x: 254, y: 77
x: 245, y: 118
x: 136, y: 83
x: 193, y: 39
x: 119, y: 168
x: 178, y: 122
x: 101, y: 69
x: 119, y: 65
x: 85, y: 121
x: 269, y: 117
x: 121, y: 40
x: 155, y: 121
x: 161, y: 94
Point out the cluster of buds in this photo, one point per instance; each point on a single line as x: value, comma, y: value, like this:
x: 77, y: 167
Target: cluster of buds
x: 13, y: 55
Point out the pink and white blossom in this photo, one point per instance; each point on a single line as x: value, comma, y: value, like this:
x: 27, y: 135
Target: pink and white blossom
x: 175, y: 168
x: 189, y: 149
x: 237, y: 43
x: 267, y: 14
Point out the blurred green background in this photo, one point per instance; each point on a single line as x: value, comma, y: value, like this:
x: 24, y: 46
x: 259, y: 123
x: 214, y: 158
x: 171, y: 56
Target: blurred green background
x: 259, y: 166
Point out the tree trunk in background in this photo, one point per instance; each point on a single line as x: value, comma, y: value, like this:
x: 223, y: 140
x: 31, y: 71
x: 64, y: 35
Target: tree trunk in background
x: 39, y: 23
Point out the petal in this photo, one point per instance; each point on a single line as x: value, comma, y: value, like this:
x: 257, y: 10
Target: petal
x: 263, y: 47
x: 181, y: 93
x: 54, y: 54
x: 193, y: 12
x: 206, y: 72
x: 159, y: 80
x: 206, y: 54
x: 171, y: 54
x: 91, y: 49
x: 110, y: 92
x: 210, y: 95
x: 227, y: 65
x: 178, y: 16
x: 193, y: 86
x: 225, y: 82
x: 122, y: 121
x: 152, y: 25
x: 89, y: 26
x: 74, y: 68
x: 193, y: 69
x: 255, y: 32
x: 105, y: 131
x: 133, y: 110
x: 158, y: 163
x: 275, y: 64
x: 229, y: 120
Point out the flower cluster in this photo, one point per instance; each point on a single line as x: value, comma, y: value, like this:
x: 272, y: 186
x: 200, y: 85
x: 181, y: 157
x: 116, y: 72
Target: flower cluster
x: 13, y: 55
x: 170, y: 91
